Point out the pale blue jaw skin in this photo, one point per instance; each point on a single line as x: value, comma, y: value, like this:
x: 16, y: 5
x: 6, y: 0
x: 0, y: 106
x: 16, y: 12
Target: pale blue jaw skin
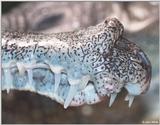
x: 43, y: 83
x: 133, y: 88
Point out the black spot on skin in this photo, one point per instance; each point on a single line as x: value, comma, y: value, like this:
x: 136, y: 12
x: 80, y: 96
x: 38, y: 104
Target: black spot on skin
x: 14, y: 36
x: 106, y: 21
x: 92, y: 59
x: 102, y: 67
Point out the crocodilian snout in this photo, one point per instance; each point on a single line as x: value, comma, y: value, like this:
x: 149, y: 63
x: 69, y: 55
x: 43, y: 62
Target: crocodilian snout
x: 148, y: 68
x: 142, y: 81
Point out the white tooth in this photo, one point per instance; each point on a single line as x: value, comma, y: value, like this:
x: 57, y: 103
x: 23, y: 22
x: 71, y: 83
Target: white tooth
x: 30, y: 76
x: 30, y: 79
x: 21, y: 68
x: 72, y: 92
x: 57, y: 70
x: 84, y: 81
x: 8, y: 79
x: 126, y: 98
x: 74, y: 81
x: 74, y: 85
x: 131, y: 98
x: 112, y: 99
x: 57, y: 81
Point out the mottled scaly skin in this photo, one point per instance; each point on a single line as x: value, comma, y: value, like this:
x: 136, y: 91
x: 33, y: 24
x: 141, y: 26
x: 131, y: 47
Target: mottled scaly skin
x: 100, y: 52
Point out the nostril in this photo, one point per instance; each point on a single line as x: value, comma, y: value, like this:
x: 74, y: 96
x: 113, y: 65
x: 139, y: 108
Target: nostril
x: 114, y: 25
x: 111, y: 21
x: 106, y: 21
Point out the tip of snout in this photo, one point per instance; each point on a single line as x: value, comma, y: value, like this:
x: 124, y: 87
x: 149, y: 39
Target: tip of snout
x: 115, y: 24
x: 111, y: 19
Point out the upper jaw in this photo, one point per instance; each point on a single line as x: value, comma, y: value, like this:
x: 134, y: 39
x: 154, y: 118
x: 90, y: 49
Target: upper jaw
x: 139, y: 87
x: 129, y: 46
x: 148, y: 68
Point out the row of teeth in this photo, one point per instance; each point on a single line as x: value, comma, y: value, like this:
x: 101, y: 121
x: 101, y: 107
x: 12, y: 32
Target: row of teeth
x: 129, y: 98
x: 75, y: 84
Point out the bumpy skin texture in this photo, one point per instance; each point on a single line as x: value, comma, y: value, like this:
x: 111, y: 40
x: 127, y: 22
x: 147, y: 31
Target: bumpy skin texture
x: 78, y: 67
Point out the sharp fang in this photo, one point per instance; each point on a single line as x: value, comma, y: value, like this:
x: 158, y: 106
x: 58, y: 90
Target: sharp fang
x: 126, y: 98
x: 74, y: 84
x: 30, y: 79
x: 8, y: 79
x: 57, y: 70
x: 57, y: 81
x: 72, y: 91
x: 112, y: 99
x: 131, y: 98
x: 84, y: 81
x: 21, y: 68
